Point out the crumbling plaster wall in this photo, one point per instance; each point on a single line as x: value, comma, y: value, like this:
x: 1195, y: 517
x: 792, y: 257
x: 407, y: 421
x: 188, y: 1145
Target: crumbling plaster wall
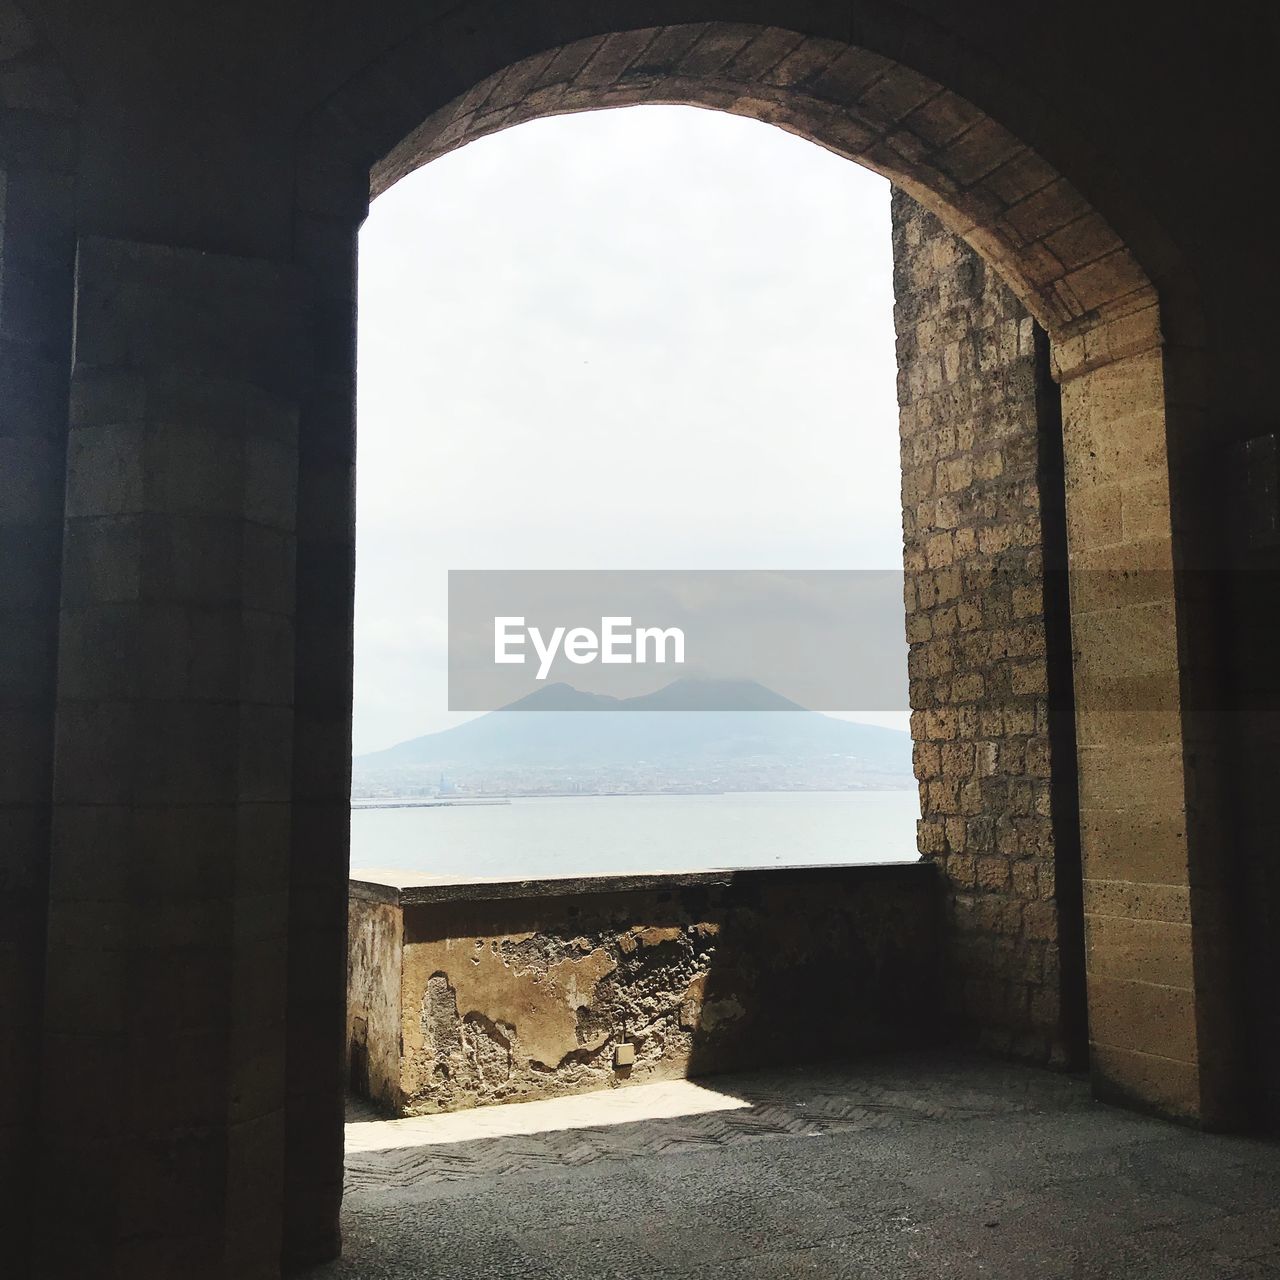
x: 529, y: 998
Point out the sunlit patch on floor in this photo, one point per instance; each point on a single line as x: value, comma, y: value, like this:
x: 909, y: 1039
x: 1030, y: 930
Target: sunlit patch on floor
x: 662, y: 1101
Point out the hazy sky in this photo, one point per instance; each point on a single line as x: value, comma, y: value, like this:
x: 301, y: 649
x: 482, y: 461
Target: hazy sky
x: 648, y: 338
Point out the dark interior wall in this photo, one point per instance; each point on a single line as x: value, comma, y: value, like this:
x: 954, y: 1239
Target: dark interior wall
x: 215, y: 94
x: 1250, y: 599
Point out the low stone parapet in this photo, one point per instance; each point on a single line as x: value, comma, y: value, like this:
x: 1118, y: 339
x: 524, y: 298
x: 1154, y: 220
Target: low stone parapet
x: 465, y: 994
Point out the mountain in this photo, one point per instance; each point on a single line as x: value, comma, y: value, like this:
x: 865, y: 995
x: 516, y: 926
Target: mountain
x: 560, y: 738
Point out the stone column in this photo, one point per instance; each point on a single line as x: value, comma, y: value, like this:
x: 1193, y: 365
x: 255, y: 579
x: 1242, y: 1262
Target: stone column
x: 321, y: 821
x: 164, y: 1043
x: 37, y: 258
x: 1162, y: 1016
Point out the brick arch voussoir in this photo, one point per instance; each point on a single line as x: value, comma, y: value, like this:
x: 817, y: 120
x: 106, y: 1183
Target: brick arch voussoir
x: 1061, y: 256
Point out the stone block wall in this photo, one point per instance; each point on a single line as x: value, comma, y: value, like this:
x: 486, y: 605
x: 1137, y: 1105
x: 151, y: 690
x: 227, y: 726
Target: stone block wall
x: 462, y: 995
x: 989, y: 642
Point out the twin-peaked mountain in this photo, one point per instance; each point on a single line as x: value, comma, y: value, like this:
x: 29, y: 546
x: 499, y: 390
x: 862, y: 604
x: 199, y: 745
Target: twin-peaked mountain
x: 718, y: 734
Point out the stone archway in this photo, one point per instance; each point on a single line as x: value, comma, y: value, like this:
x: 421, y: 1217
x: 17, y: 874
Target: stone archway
x: 1060, y: 256
x: 1111, y: 307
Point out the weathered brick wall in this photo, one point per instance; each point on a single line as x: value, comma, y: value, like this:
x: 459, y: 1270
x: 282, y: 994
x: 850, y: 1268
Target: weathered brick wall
x: 989, y: 661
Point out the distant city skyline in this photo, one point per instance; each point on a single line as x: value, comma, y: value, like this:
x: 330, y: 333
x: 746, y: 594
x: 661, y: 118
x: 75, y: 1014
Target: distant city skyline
x: 649, y: 338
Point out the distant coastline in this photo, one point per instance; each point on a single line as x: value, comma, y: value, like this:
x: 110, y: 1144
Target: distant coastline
x: 455, y: 802
x: 427, y: 802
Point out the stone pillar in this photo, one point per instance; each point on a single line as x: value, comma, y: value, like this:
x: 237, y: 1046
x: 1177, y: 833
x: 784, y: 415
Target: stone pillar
x: 321, y: 822
x: 37, y: 258
x: 162, y: 1130
x: 990, y: 652
x: 1162, y: 1006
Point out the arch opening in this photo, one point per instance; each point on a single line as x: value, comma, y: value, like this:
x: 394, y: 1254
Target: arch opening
x: 669, y: 346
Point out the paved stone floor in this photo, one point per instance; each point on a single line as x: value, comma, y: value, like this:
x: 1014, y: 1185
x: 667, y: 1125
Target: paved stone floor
x: 897, y: 1167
